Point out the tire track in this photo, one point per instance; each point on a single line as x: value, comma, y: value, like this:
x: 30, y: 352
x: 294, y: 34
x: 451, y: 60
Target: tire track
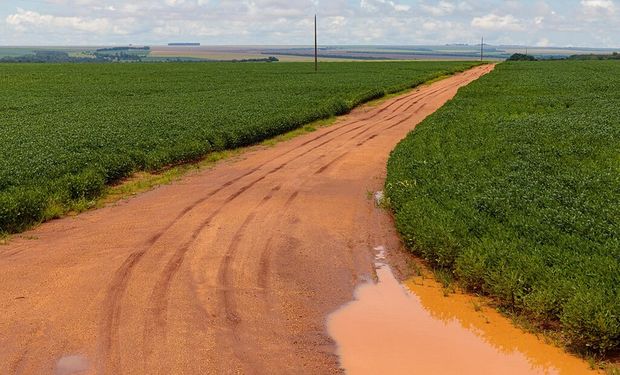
x: 225, y: 274
x: 265, y: 257
x: 109, y: 330
x: 176, y: 261
x: 120, y: 280
x: 110, y: 322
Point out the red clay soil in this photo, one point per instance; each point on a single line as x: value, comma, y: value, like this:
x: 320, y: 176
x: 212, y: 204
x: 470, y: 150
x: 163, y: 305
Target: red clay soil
x: 231, y: 270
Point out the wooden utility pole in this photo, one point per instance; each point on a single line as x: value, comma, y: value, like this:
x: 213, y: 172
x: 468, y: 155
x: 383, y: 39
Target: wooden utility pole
x: 482, y: 49
x: 316, y: 48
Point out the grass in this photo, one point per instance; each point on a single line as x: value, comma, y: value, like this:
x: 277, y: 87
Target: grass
x: 144, y: 181
x: 4, y: 238
x: 611, y: 369
x: 71, y: 130
x: 512, y: 188
x: 386, y: 97
x: 308, y: 128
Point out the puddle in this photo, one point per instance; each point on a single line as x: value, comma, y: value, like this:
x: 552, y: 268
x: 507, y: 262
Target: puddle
x: 72, y: 365
x: 390, y: 328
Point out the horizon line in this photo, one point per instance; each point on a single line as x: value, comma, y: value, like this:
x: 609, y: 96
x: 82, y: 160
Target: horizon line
x: 306, y: 45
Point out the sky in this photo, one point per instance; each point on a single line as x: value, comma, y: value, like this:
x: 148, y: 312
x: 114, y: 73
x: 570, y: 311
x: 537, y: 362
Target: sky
x: 578, y: 23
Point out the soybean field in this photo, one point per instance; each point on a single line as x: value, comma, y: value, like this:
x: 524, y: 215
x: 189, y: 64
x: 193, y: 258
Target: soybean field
x: 513, y: 188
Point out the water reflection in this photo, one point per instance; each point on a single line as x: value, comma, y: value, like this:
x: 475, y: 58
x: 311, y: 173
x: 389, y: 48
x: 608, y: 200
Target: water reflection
x: 389, y: 329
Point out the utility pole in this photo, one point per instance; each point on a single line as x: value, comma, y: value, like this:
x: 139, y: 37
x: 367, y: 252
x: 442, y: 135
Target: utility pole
x: 482, y: 49
x: 316, y: 48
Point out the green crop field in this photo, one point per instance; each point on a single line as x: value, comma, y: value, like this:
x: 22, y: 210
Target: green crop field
x: 67, y: 130
x: 514, y: 188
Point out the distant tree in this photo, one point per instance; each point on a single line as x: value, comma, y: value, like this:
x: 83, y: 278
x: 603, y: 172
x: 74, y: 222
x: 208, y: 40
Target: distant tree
x: 43, y: 56
x: 266, y: 59
x: 521, y: 57
x: 112, y: 49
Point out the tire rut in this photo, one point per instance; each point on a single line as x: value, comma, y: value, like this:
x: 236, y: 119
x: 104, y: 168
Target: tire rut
x: 116, y: 290
x: 226, y: 290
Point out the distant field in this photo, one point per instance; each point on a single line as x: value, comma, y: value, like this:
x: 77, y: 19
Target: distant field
x: 457, y: 52
x: 15, y: 51
x: 21, y: 51
x: 174, y: 51
x: 514, y: 188
x: 226, y: 53
x: 70, y: 129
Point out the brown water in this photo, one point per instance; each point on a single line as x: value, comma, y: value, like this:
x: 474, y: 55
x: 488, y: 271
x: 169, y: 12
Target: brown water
x: 394, y: 329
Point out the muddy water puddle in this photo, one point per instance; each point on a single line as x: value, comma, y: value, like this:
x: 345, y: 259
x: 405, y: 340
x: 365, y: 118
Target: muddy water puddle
x: 391, y: 328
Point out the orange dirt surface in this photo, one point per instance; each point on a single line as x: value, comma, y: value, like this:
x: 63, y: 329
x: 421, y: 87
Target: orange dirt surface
x: 231, y: 270
x: 226, y: 53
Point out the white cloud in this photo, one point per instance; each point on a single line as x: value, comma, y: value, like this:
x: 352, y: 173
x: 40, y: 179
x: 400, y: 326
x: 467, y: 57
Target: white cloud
x: 496, y: 22
x: 583, y: 22
x: 442, y: 8
x: 23, y: 20
x: 607, y: 5
x: 595, y: 10
x: 377, y: 5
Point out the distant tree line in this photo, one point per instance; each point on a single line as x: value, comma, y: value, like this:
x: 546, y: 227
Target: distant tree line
x: 118, y: 57
x: 266, y: 59
x: 613, y: 56
x: 112, y: 49
x: 45, y: 57
x: 114, y: 54
x: 524, y: 57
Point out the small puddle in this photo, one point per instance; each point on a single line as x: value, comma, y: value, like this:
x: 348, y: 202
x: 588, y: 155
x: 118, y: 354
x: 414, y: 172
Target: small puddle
x: 391, y: 328
x: 72, y: 365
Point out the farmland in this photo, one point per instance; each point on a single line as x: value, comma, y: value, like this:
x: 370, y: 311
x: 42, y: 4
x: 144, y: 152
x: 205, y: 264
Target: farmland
x: 513, y: 188
x: 68, y: 130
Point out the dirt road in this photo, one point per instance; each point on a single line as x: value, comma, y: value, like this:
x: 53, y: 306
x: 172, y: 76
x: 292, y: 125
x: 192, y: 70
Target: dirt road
x: 232, y: 270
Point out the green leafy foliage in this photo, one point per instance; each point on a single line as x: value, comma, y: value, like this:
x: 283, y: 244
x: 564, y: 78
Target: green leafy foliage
x: 521, y: 57
x: 514, y: 186
x: 67, y: 130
